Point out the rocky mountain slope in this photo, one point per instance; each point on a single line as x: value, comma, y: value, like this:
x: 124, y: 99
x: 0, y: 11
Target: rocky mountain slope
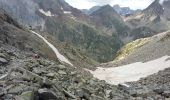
x: 124, y: 11
x: 153, y: 19
x: 24, y: 75
x: 67, y: 25
x: 27, y: 73
x: 141, y: 58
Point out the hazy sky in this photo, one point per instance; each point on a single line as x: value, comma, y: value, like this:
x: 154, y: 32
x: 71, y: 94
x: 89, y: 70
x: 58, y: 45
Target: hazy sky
x: 133, y: 4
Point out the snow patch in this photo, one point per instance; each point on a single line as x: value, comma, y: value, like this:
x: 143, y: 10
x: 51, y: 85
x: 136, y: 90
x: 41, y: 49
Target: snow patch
x: 59, y: 56
x: 67, y: 12
x: 131, y: 72
x: 46, y: 13
x: 62, y: 8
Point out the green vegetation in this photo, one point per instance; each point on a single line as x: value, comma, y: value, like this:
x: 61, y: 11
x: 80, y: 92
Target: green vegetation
x: 130, y: 48
x: 85, y: 38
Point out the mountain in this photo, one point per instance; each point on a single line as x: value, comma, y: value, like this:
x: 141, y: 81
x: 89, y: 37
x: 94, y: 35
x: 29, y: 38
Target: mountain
x: 15, y: 35
x: 91, y: 10
x: 67, y: 25
x: 144, y: 62
x: 124, y: 11
x: 110, y: 19
x: 35, y: 77
x: 150, y: 21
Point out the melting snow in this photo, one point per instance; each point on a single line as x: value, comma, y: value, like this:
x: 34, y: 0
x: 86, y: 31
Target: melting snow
x: 62, y: 8
x: 67, y: 12
x: 131, y: 72
x: 46, y: 13
x: 59, y: 56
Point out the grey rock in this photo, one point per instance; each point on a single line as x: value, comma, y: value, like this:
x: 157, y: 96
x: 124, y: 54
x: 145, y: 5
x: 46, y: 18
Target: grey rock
x: 16, y: 90
x: 45, y: 94
x: 166, y: 94
x: 62, y: 72
x: 28, y: 95
x: 80, y: 93
x: 159, y: 90
x: 51, y: 75
x: 68, y: 94
x: 61, y: 67
x: 3, y: 61
x: 2, y: 55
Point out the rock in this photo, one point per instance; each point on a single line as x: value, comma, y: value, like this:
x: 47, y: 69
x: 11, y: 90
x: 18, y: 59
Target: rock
x: 166, y: 94
x: 62, y: 72
x: 123, y: 87
x: 45, y: 94
x: 46, y: 83
x: 3, y: 61
x: 2, y: 55
x: 51, y: 75
x: 94, y: 97
x: 69, y: 94
x: 73, y: 73
x: 16, y: 90
x: 38, y: 70
x: 159, y: 90
x: 61, y: 67
x: 28, y: 95
x: 80, y: 93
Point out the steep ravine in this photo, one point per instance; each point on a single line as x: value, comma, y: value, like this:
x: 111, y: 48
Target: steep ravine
x: 58, y: 55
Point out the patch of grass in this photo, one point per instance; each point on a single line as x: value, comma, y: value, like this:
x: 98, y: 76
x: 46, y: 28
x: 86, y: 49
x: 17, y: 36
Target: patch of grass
x: 167, y: 36
x: 130, y: 48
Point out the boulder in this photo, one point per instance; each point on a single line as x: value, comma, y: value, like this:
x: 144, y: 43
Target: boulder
x: 61, y: 67
x: 51, y: 75
x: 2, y: 55
x: 28, y: 95
x: 3, y: 61
x: 62, y: 72
x: 166, y: 94
x: 45, y: 94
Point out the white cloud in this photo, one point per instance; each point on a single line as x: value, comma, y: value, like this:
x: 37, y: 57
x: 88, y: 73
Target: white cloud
x: 133, y: 4
x: 81, y: 4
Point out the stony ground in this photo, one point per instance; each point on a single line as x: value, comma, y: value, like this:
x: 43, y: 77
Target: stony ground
x: 26, y: 77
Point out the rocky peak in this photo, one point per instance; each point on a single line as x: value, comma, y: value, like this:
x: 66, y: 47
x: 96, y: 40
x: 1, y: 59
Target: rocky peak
x: 166, y: 3
x: 107, y: 9
x: 154, y: 9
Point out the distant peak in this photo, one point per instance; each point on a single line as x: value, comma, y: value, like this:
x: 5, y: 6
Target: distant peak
x: 155, y: 8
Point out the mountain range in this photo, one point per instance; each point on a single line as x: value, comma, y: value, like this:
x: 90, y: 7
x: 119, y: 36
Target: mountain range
x: 50, y: 50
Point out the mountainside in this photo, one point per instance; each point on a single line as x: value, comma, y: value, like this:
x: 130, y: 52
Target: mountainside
x: 142, y: 66
x: 51, y: 51
x: 13, y: 34
x: 69, y: 25
x: 91, y: 10
x: 111, y: 20
x: 26, y: 75
x: 124, y: 11
x: 153, y: 19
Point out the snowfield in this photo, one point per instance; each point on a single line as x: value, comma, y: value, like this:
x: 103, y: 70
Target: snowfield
x: 48, y: 13
x: 131, y: 72
x: 59, y: 56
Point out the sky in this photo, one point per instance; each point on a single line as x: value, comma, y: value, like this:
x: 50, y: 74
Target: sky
x: 87, y: 4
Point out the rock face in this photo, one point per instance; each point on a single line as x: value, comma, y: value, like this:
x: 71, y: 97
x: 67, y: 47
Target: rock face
x: 152, y: 20
x: 124, y: 11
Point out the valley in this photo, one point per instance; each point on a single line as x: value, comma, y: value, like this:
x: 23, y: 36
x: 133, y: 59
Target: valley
x: 50, y: 50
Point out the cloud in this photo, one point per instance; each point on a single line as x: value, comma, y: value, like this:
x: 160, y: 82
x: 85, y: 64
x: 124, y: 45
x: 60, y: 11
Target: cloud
x: 133, y: 4
x: 81, y: 4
